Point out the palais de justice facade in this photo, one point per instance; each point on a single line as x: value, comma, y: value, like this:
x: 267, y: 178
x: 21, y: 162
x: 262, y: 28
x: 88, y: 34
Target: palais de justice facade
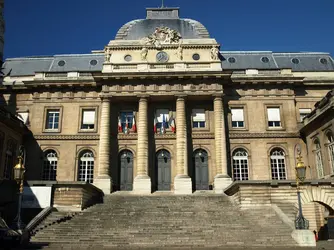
x: 162, y: 107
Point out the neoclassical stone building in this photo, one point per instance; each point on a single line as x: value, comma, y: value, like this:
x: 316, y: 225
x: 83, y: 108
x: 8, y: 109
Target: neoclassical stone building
x: 164, y: 108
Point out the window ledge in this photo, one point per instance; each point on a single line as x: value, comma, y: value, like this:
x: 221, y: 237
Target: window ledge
x: 239, y: 129
x: 275, y: 129
x: 87, y: 131
x: 51, y: 131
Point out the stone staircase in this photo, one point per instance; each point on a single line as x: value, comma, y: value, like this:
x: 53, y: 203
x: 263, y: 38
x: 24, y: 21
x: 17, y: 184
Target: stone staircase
x: 127, y: 221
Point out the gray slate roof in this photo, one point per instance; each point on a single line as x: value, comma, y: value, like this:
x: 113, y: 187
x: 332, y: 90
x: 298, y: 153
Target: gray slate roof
x: 29, y: 65
x: 307, y: 61
x: 243, y: 60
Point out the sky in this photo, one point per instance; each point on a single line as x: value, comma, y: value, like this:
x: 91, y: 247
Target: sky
x: 49, y: 27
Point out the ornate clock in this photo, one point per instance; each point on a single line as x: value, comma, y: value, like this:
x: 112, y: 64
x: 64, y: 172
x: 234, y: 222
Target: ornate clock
x: 162, y: 57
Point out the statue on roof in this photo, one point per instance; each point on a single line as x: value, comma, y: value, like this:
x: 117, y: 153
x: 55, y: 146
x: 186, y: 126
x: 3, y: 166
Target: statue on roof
x: 214, y: 53
x: 162, y: 35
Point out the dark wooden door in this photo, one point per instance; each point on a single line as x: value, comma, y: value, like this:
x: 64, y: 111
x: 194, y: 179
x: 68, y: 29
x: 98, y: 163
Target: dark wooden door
x: 200, y: 160
x: 163, y: 162
x: 126, y: 165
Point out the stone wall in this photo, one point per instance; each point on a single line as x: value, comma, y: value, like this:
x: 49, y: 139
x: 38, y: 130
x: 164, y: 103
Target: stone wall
x: 316, y: 196
x: 75, y: 195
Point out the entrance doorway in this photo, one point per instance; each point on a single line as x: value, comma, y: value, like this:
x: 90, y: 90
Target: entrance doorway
x: 200, y: 164
x: 126, y: 173
x: 163, y: 166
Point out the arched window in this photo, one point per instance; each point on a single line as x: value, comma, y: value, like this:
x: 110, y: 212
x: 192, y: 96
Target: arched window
x: 86, y: 167
x: 9, y: 159
x: 318, y: 159
x: 240, y: 165
x: 277, y: 162
x: 50, y: 165
x: 330, y: 146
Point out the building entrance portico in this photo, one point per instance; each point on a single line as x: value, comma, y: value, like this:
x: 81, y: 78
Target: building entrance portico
x: 163, y: 170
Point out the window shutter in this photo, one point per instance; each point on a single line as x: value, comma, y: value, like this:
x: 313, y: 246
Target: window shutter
x: 88, y: 117
x: 23, y: 116
x: 237, y: 115
x: 198, y: 115
x: 274, y: 114
x: 160, y: 113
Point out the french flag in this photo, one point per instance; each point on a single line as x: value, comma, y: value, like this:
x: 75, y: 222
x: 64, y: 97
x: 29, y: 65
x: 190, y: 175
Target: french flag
x: 163, y: 125
x: 126, y: 126
x: 172, y: 124
x: 120, y: 129
x: 134, y: 126
x: 155, y: 124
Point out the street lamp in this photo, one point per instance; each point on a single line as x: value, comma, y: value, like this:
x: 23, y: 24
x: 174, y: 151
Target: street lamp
x: 300, y: 222
x: 19, y: 171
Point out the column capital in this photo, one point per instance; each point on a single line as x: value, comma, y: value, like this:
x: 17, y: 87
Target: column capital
x: 105, y: 98
x: 181, y: 96
x: 143, y: 96
x: 219, y: 95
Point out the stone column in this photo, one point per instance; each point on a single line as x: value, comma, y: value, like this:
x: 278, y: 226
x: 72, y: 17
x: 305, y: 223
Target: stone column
x: 142, y: 182
x: 222, y: 180
x: 182, y: 182
x: 103, y: 179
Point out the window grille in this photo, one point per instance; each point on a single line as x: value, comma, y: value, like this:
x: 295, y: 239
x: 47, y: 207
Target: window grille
x: 318, y: 159
x: 277, y: 161
x: 86, y: 167
x: 274, y: 117
x: 198, y: 118
x: 238, y: 118
x: 88, y: 119
x: 331, y: 149
x: 240, y: 165
x: 50, y: 166
x: 303, y: 113
x: 52, y: 119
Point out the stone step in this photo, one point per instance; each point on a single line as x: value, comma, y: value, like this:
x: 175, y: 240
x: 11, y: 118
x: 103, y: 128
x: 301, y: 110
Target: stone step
x: 167, y: 220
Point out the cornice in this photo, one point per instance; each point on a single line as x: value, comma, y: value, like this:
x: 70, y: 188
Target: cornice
x: 67, y: 137
x: 234, y: 135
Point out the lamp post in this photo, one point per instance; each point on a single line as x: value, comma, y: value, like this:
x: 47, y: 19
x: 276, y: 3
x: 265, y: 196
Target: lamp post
x: 301, y: 222
x: 19, y: 171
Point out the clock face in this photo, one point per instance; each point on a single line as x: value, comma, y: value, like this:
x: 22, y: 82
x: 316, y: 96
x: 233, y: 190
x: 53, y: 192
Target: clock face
x: 162, y: 57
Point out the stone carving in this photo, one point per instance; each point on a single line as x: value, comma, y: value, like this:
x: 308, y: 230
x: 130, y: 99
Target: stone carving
x: 162, y: 35
x: 214, y: 53
x: 179, y: 52
x: 144, y: 53
x: 107, y: 55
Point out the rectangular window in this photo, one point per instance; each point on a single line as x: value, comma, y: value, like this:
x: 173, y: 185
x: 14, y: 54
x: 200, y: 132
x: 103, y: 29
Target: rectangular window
x: 303, y: 113
x: 274, y: 117
x: 88, y: 119
x: 162, y: 115
x: 198, y: 118
x: 52, y: 119
x: 126, y: 116
x: 238, y: 118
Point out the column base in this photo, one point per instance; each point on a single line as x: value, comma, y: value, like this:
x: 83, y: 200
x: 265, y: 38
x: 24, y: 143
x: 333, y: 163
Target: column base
x: 304, y: 238
x: 221, y: 182
x: 142, y: 185
x: 183, y: 185
x: 104, y: 183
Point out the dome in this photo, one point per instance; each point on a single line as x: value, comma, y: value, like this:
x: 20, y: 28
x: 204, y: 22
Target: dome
x: 162, y: 17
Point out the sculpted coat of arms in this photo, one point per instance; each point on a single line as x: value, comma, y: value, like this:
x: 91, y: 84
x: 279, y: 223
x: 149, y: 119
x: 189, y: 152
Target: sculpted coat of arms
x: 162, y: 35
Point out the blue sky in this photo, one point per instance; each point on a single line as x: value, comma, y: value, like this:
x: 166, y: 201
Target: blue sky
x: 48, y: 27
